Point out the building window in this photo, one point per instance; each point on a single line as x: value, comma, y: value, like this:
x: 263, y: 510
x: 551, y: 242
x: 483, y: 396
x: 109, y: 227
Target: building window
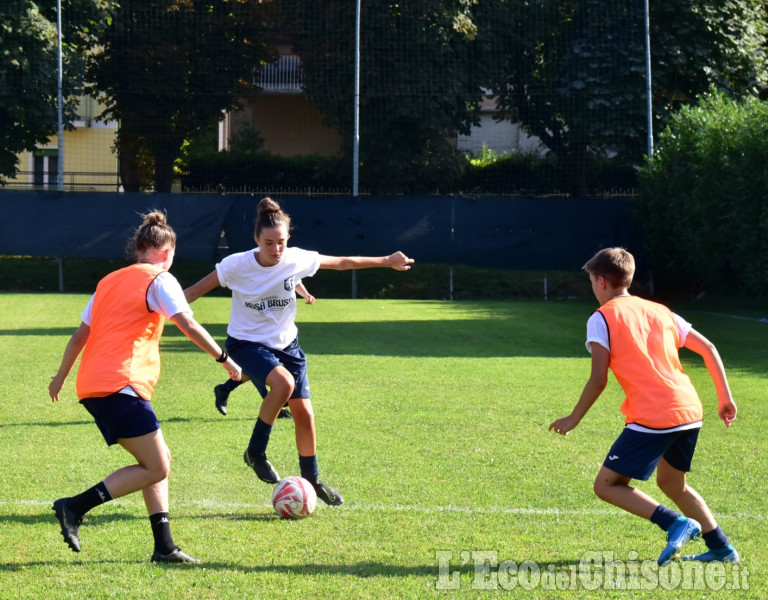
x: 46, y: 168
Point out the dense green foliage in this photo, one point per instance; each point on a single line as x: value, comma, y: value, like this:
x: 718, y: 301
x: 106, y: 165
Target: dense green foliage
x: 419, y: 84
x: 29, y: 68
x: 509, y: 174
x: 574, y: 73
x: 571, y: 73
x: 167, y: 70
x: 704, y: 205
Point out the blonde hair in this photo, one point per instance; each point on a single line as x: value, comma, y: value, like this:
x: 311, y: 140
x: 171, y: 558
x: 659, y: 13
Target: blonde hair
x: 615, y: 265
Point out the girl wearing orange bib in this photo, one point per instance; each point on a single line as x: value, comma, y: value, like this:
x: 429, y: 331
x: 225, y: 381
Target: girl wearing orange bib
x: 119, y: 339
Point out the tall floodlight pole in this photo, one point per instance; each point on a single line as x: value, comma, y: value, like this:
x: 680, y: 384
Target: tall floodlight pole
x: 60, y: 101
x: 356, y: 139
x: 649, y: 86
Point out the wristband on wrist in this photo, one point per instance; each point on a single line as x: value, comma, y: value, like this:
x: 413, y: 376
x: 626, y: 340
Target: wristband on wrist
x: 223, y: 358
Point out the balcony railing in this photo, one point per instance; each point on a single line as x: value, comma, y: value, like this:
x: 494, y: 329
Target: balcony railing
x: 284, y: 76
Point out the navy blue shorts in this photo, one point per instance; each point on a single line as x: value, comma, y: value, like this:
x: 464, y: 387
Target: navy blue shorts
x: 636, y: 454
x: 257, y: 361
x: 122, y: 416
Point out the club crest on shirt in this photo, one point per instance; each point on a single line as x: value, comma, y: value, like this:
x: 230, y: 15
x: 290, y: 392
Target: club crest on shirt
x: 289, y: 283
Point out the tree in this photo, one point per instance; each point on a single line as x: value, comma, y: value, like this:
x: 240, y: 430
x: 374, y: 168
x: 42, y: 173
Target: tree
x: 418, y: 85
x: 29, y: 69
x: 573, y: 72
x: 167, y: 70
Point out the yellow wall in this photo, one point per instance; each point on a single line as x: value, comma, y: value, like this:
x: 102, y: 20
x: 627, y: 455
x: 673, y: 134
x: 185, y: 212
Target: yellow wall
x: 89, y: 163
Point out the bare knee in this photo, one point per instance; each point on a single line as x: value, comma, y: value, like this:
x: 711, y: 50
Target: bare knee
x: 161, y: 468
x: 303, y: 414
x: 601, y: 487
x: 281, y: 382
x: 671, y: 485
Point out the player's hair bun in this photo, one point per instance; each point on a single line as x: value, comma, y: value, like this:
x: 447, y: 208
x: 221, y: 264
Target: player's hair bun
x: 154, y: 218
x: 267, y: 206
x: 154, y: 232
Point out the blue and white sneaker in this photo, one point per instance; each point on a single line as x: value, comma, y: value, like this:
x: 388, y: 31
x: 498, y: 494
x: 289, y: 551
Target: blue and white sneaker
x: 680, y: 533
x: 726, y: 554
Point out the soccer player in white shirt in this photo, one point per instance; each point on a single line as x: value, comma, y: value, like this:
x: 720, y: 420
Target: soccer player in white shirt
x: 262, y: 333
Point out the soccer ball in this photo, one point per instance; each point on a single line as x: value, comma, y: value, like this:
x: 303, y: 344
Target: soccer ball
x: 294, y: 498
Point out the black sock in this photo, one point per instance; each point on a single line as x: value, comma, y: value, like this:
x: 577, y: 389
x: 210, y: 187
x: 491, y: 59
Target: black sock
x: 161, y: 531
x: 260, y: 436
x: 231, y: 384
x: 308, y: 467
x: 82, y: 503
x: 715, y: 539
x: 664, y: 517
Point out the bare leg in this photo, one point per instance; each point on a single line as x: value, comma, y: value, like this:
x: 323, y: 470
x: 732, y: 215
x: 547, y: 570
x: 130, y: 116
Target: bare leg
x: 672, y: 482
x: 304, y: 420
x: 281, y: 384
x: 615, y: 489
x: 154, y: 465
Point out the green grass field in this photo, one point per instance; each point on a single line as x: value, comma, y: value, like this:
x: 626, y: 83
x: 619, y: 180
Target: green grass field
x: 432, y: 422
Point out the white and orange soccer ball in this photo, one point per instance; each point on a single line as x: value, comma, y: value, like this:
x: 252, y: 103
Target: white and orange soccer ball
x: 294, y: 498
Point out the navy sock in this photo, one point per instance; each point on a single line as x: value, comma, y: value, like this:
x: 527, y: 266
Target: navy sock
x: 664, y: 517
x: 231, y: 384
x: 161, y: 531
x: 715, y: 539
x: 90, y: 498
x: 260, y: 436
x: 308, y: 468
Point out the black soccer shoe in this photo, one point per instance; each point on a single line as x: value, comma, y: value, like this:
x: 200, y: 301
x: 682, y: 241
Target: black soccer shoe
x: 261, y: 466
x: 327, y: 494
x: 284, y: 413
x: 177, y: 555
x: 70, y: 523
x: 221, y: 394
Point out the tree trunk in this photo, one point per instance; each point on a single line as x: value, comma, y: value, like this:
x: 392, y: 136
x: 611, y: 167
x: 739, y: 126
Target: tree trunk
x: 129, y: 164
x: 576, y: 176
x: 164, y: 171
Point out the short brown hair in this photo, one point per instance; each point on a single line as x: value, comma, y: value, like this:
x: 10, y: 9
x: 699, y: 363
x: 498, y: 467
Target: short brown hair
x: 616, y: 265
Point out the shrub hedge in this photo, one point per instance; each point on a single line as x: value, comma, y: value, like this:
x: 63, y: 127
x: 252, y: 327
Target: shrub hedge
x: 703, y: 204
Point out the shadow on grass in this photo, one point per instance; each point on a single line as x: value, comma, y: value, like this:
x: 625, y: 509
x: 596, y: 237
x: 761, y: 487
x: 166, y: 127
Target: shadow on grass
x: 361, y: 569
x: 67, y: 331
x: 438, y: 339
x: 167, y: 421
x: 47, y: 424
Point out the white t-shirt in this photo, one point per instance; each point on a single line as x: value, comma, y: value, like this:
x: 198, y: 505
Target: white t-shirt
x: 597, y: 331
x: 264, y: 298
x: 164, y: 296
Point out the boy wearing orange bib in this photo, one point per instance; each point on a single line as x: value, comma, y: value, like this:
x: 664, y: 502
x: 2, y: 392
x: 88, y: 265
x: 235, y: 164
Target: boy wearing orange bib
x: 639, y: 341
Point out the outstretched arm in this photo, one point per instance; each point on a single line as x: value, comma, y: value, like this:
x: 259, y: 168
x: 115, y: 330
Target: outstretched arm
x: 72, y: 351
x: 202, y: 287
x: 595, y: 385
x: 302, y: 291
x: 397, y: 261
x: 726, y: 408
x: 197, y: 333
